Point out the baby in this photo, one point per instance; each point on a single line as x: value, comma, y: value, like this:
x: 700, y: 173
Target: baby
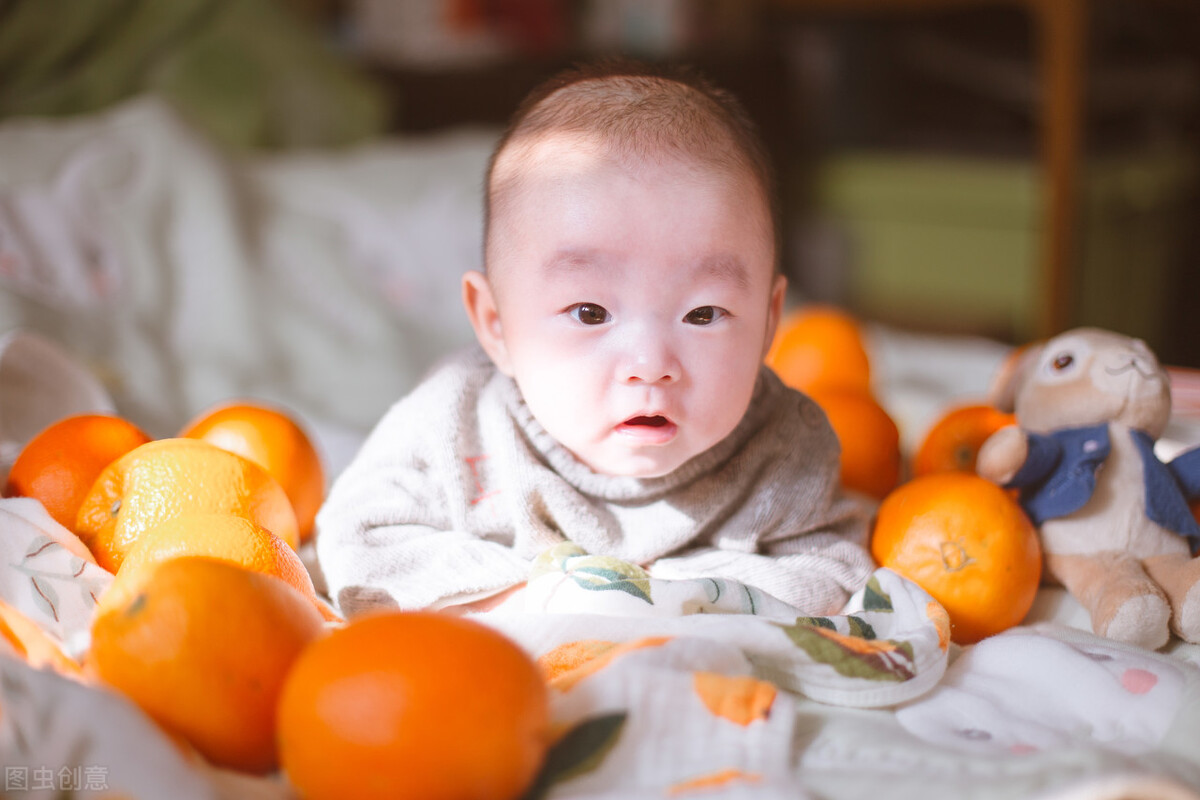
x: 620, y: 399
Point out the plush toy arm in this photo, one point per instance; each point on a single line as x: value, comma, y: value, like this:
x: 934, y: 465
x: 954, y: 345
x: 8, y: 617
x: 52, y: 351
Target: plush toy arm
x: 1011, y: 457
x: 1002, y: 455
x: 1186, y: 469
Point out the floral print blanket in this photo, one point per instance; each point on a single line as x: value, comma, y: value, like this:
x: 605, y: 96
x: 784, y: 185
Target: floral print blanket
x: 710, y: 688
x: 686, y: 688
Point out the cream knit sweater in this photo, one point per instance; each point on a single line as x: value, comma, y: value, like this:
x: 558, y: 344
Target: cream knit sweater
x: 458, y: 488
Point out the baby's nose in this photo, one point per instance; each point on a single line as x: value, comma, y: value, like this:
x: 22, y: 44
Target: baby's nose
x: 650, y: 362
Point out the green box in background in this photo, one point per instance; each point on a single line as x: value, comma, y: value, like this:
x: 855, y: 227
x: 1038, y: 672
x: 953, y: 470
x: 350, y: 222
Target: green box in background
x: 954, y: 244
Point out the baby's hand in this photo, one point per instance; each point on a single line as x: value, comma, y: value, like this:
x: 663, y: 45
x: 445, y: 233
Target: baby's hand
x: 1003, y: 454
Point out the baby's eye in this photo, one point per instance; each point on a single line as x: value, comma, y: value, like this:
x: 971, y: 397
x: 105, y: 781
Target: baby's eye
x: 589, y: 313
x: 704, y: 315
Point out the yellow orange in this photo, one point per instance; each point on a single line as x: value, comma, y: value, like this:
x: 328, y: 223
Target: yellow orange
x: 273, y: 439
x: 226, y: 537
x: 421, y: 705
x: 966, y: 542
x: 59, y: 464
x: 204, y: 647
x: 820, y: 346
x: 167, y: 478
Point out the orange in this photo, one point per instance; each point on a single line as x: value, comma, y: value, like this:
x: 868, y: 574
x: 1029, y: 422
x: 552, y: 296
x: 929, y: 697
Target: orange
x: 413, y: 705
x: 28, y: 640
x: 953, y: 442
x: 273, y: 439
x: 59, y: 465
x: 869, y: 438
x: 225, y: 537
x: 167, y: 478
x: 820, y: 346
x: 966, y: 542
x: 203, y: 648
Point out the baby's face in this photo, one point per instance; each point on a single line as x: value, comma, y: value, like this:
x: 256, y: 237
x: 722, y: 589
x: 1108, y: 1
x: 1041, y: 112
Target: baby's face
x: 635, y: 303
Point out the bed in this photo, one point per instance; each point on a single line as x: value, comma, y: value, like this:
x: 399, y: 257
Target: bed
x: 145, y: 269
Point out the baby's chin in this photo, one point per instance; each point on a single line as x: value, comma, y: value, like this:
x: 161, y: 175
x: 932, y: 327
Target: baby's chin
x: 636, y: 465
x: 641, y: 472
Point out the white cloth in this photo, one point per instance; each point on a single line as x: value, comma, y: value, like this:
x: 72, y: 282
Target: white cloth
x: 62, y: 738
x: 1033, y: 689
x: 182, y: 276
x: 47, y: 574
x: 40, y: 384
x: 665, y: 688
x: 888, y: 644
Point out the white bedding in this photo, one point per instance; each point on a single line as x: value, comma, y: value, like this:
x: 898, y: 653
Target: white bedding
x: 182, y: 275
x: 179, y: 275
x: 856, y: 705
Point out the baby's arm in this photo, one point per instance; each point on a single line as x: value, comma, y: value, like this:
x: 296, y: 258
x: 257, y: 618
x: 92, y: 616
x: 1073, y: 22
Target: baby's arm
x: 412, y: 566
x: 389, y: 536
x: 816, y: 572
x: 816, y: 582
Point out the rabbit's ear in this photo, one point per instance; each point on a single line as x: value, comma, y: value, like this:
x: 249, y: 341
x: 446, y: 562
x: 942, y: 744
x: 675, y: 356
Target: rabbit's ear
x: 1013, y: 371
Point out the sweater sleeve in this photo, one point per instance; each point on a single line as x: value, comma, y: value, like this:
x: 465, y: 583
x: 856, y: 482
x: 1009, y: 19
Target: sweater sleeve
x: 817, y: 575
x: 388, y: 534
x: 793, y: 532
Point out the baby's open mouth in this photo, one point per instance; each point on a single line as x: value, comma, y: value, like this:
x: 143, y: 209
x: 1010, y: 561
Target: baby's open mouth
x: 652, y: 429
x: 656, y: 421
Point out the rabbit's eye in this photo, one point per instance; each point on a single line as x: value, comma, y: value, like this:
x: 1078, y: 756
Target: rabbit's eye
x: 1063, y: 360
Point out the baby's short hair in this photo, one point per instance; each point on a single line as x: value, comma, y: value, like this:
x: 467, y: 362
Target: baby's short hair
x: 642, y: 110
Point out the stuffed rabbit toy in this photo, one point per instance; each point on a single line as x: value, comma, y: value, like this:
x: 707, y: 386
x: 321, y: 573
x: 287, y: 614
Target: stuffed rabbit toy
x: 1114, y: 520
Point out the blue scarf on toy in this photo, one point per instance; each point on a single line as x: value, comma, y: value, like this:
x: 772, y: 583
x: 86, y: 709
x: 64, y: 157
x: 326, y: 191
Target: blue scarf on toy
x: 1059, y: 476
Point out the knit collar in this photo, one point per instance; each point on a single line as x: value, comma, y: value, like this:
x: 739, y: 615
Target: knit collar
x: 627, y: 489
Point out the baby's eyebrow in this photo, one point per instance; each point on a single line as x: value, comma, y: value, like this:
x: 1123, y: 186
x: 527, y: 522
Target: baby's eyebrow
x: 572, y: 261
x: 725, y: 268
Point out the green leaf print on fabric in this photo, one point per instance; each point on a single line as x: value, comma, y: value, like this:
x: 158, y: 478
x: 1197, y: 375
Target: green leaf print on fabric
x: 875, y: 598
x: 554, y: 559
x: 817, y: 622
x: 603, y: 578
x: 860, y: 627
x: 580, y: 751
x: 855, y: 656
x: 595, y: 573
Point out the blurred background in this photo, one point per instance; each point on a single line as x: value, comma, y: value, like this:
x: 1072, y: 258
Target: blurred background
x: 1000, y: 169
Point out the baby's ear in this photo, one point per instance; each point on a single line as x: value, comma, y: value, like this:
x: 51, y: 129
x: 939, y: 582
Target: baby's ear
x: 480, y: 303
x: 775, y: 310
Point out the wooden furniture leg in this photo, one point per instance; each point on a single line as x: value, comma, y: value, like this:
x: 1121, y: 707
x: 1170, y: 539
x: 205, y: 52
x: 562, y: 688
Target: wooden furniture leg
x: 1061, y: 27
